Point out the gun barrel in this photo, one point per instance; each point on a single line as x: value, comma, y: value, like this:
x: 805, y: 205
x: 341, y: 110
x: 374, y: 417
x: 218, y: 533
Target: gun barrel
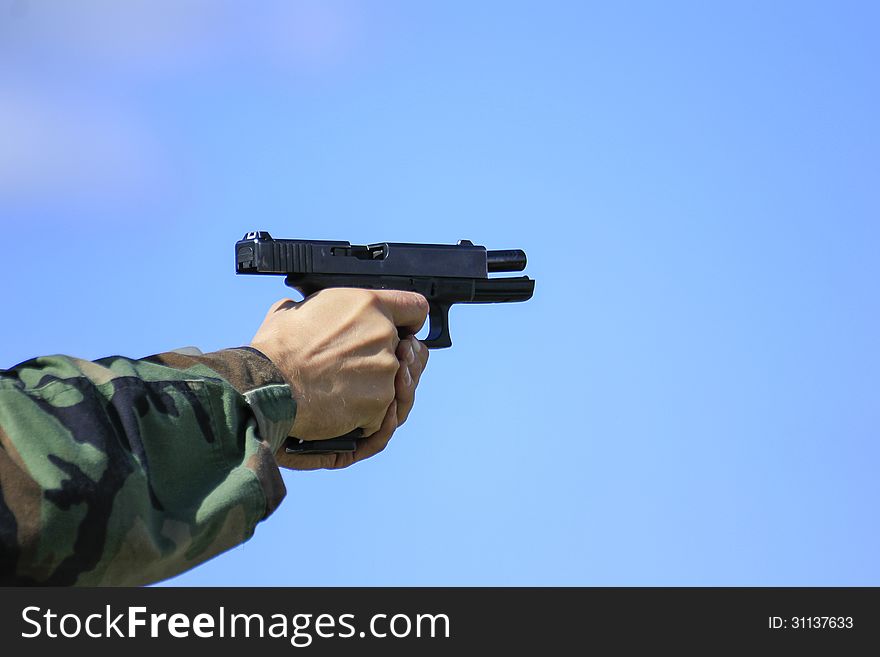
x: 495, y: 290
x: 509, y: 260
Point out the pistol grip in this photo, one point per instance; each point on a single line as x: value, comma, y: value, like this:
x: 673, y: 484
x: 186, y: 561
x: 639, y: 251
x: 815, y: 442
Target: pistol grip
x: 346, y: 443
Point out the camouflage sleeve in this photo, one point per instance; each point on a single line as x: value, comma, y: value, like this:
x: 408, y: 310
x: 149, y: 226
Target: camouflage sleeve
x: 125, y: 472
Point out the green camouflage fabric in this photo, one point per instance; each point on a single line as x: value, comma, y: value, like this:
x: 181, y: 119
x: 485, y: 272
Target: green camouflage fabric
x: 126, y: 472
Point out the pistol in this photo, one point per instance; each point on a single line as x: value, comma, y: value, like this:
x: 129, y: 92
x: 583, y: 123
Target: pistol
x: 445, y: 274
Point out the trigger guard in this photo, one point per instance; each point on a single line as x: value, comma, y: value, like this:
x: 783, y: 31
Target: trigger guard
x: 438, y: 332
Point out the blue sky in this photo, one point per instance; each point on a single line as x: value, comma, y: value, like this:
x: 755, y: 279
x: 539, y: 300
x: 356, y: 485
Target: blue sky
x: 691, y: 398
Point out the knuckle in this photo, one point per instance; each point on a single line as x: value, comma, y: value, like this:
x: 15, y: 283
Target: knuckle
x: 389, y: 332
x: 364, y: 304
x: 387, y: 395
x: 372, y: 299
x: 360, y: 301
x: 384, y: 333
x: 388, y: 363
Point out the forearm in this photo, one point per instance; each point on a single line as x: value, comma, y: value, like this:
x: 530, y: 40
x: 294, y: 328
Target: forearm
x: 127, y: 471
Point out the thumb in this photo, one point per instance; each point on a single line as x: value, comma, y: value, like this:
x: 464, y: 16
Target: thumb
x: 283, y: 304
x: 407, y: 310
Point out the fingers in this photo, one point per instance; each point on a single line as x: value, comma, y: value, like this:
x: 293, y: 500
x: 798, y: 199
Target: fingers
x: 413, y: 356
x: 404, y: 386
x: 312, y: 461
x: 421, y: 352
x: 372, y: 445
x: 367, y: 447
x: 382, y: 382
x: 407, y: 310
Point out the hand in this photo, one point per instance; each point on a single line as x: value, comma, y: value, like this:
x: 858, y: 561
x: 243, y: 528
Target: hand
x: 405, y: 382
x: 339, y: 350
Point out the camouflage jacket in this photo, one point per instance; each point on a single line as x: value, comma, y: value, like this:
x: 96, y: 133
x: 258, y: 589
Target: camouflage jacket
x: 125, y: 472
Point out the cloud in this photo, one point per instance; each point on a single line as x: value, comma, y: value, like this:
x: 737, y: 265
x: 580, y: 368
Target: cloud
x: 174, y: 36
x: 69, y: 130
x: 72, y: 147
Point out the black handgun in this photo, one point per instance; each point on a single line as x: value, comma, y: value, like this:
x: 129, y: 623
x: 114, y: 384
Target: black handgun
x: 443, y: 273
